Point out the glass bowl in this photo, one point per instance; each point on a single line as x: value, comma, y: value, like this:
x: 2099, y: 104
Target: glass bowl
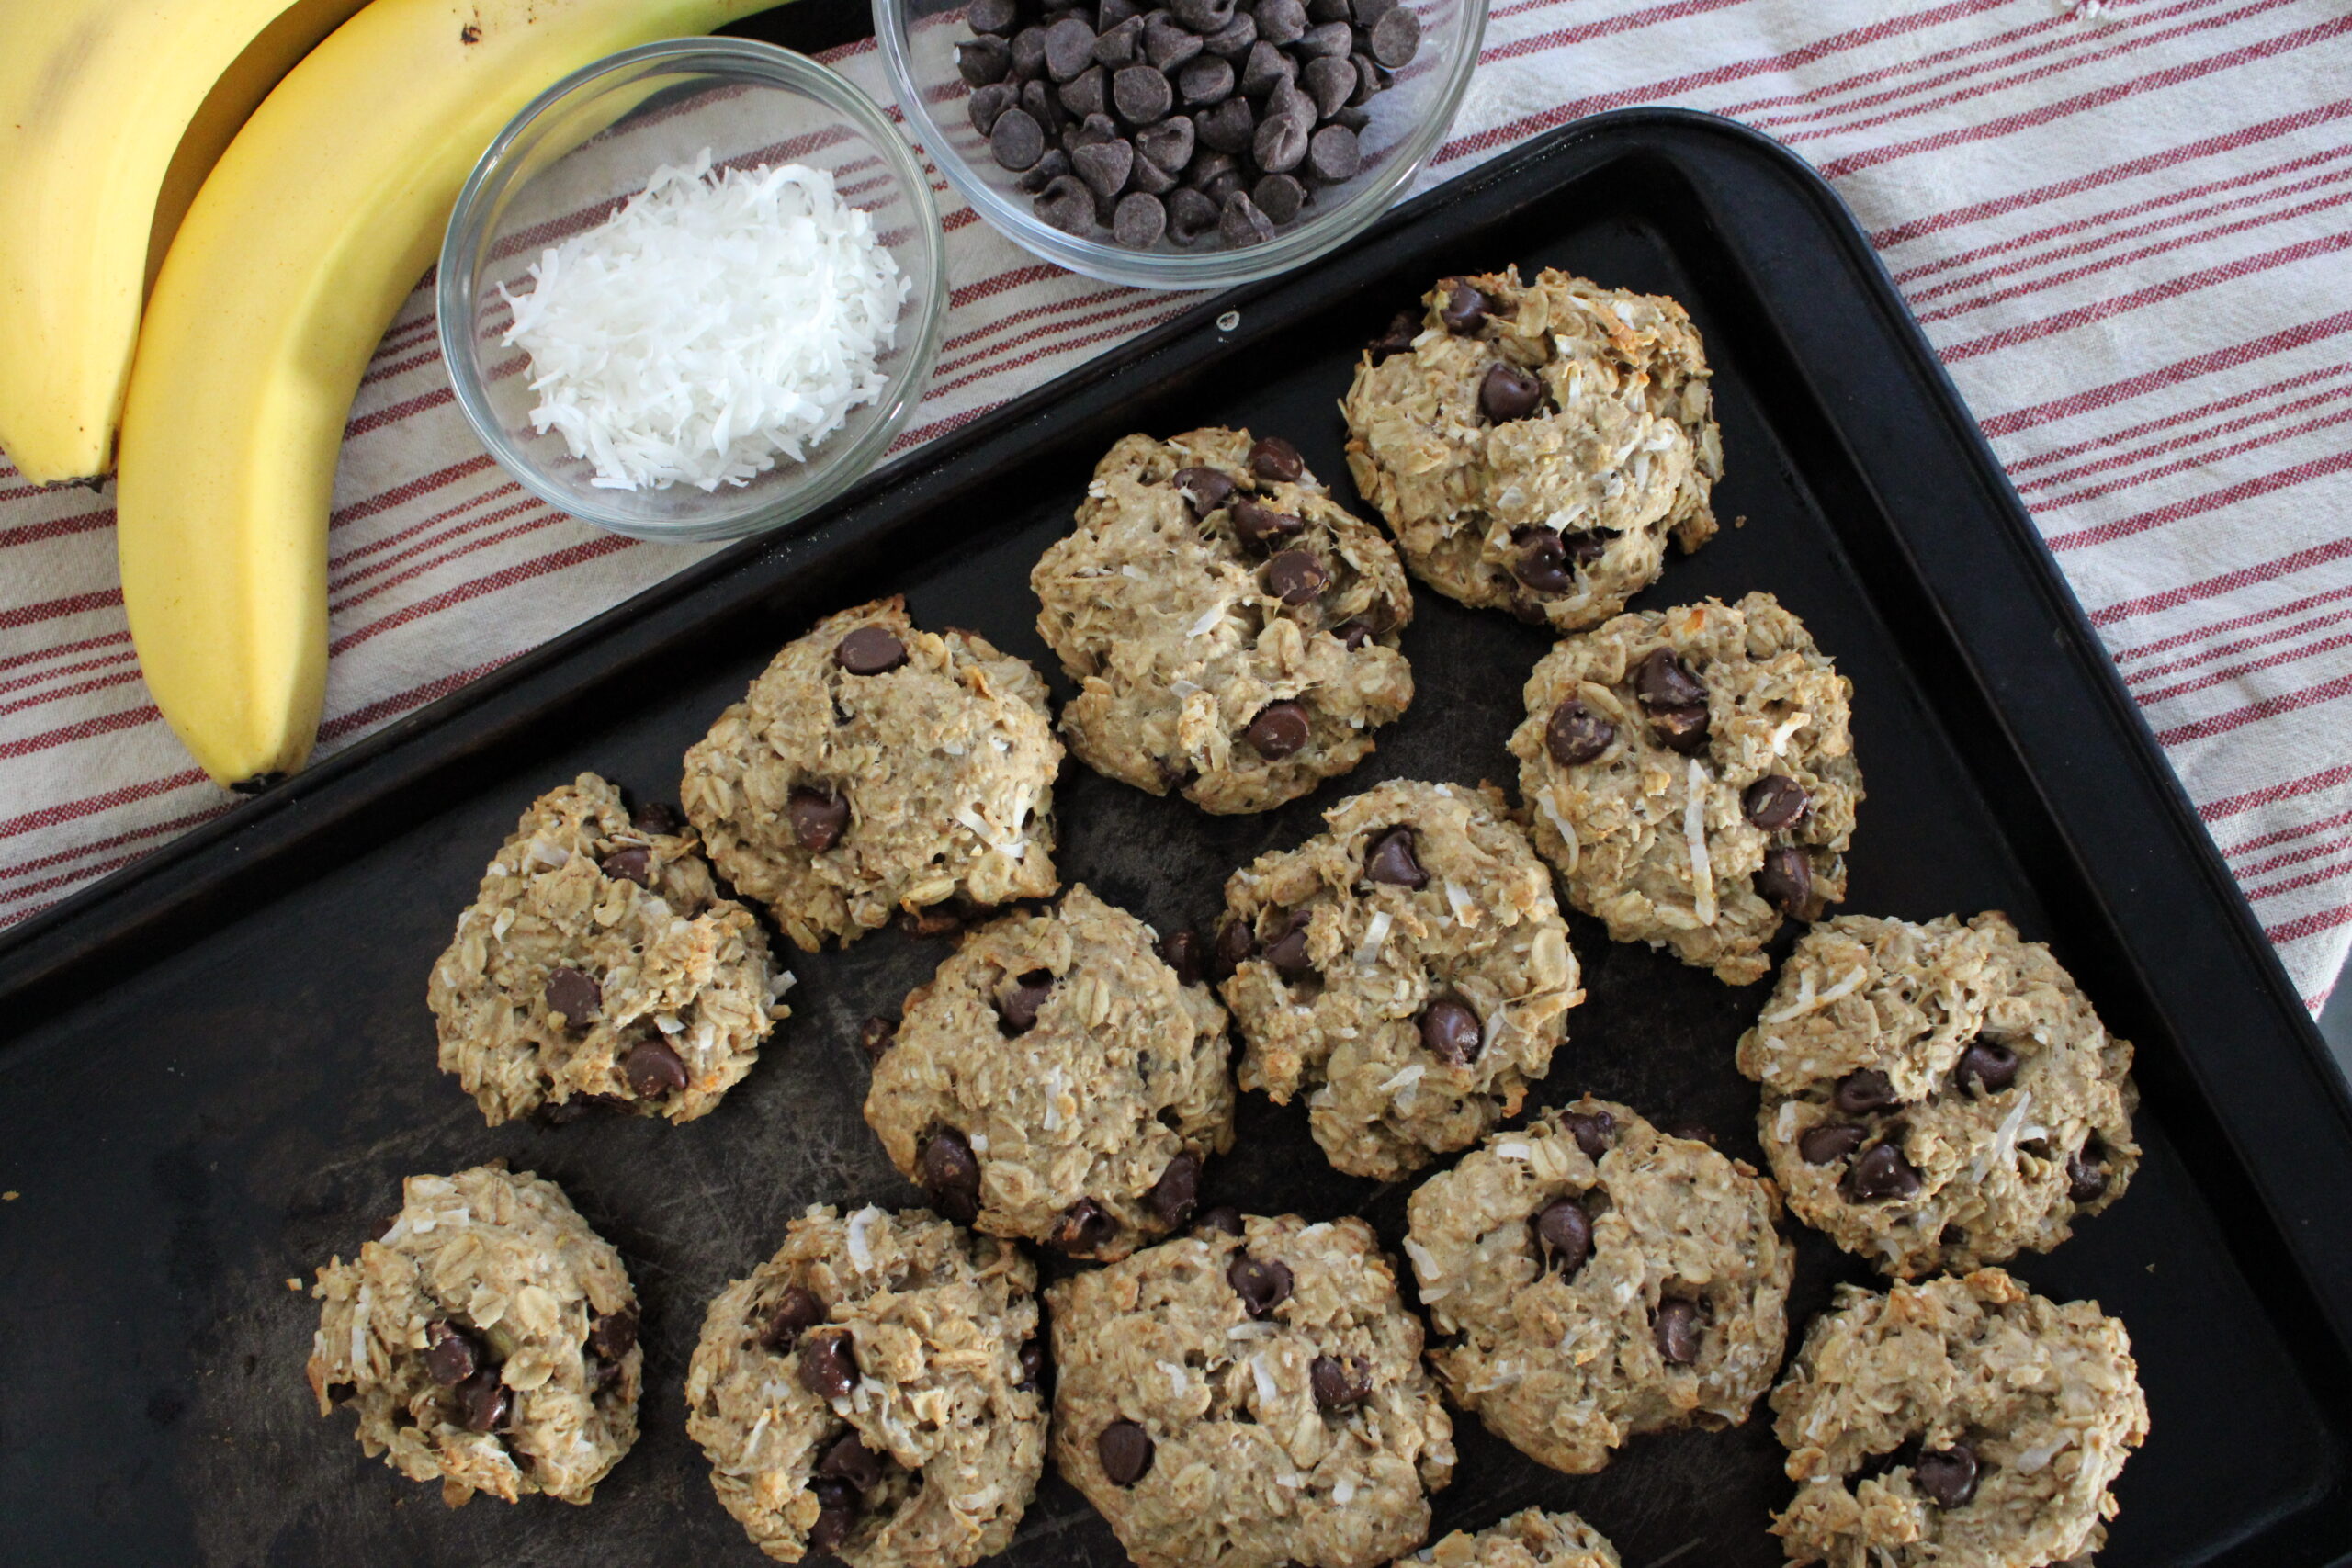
x: 917, y: 40
x: 592, y: 140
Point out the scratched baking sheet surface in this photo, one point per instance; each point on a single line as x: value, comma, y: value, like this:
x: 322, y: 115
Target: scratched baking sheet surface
x: 188, y: 1141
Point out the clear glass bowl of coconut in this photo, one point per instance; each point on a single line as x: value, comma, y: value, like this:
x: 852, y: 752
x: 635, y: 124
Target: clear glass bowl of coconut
x: 693, y: 291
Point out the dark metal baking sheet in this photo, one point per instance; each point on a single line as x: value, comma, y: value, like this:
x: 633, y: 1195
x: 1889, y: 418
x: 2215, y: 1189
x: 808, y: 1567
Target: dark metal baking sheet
x: 220, y: 1064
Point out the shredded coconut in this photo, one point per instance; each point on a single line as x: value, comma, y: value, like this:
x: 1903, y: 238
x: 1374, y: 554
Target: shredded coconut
x: 1209, y: 618
x: 1789, y: 726
x: 1269, y: 1390
x: 718, y: 321
x: 1424, y: 1264
x: 1513, y: 1151
x: 1175, y: 1378
x: 1464, y: 908
x: 502, y: 925
x: 1406, y: 1077
x: 1695, y: 833
x: 1343, y: 1492
x: 1254, y: 1330
x: 2029, y: 1462
x: 860, y: 1253
x: 2003, y: 1151
x: 1568, y: 834
x: 667, y: 1022
x: 1376, y: 937
x: 1807, y: 1000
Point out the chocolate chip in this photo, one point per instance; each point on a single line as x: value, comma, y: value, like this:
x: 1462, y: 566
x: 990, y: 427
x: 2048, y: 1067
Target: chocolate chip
x: 1280, y: 145
x: 1367, y: 12
x: 652, y: 1071
x: 1067, y: 204
x: 1774, y: 801
x: 488, y: 1403
x: 1280, y: 197
x: 1676, y: 1323
x: 1166, y: 145
x: 1105, y: 166
x: 1259, y: 526
x: 1181, y: 950
x: 1352, y: 634
x: 1125, y: 1451
x: 1177, y: 1190
x: 1864, y: 1091
x: 1564, y: 1231
x: 1281, y: 729
x: 870, y: 650
x: 1296, y: 577
x: 1166, y: 43
x: 1830, y: 1142
x: 1785, y: 881
x: 1391, y: 861
x: 1239, y: 222
x: 1236, y: 944
x: 1992, y: 1065
x: 1575, y: 734
x: 1042, y: 104
x: 1083, y: 1229
x: 1202, y: 16
x: 1594, y: 1131
x: 1947, y: 1475
x: 342, y: 1392
x: 574, y: 995
x: 983, y: 61
x: 1541, y: 563
x: 1263, y: 1284
x: 1508, y: 392
x: 1141, y: 94
x: 934, y: 920
x: 1396, y: 38
x: 1282, y: 21
x: 1329, y: 82
x: 1370, y: 78
x: 632, y: 864
x: 613, y: 1334
x: 1275, y: 460
x: 1451, y: 1031
x: 1045, y: 171
x: 1464, y: 310
x: 1087, y: 94
x: 836, y: 1513
x: 452, y: 1355
x: 818, y: 819
x: 1069, y: 48
x: 1016, y: 140
x: 653, y: 816
x: 1882, y: 1173
x: 1223, y: 1219
x: 1190, y: 215
x: 1287, y: 951
x: 877, y: 1034
x: 797, y: 1310
x: 850, y: 1460
x: 1263, y: 69
x: 1032, y: 1364
x: 995, y: 16
x: 1330, y: 10
x: 2085, y: 1176
x: 1398, y: 339
x: 1206, y: 80
x: 1018, y: 1008
x: 1233, y: 40
x: 1120, y: 45
x: 1663, y: 681
x: 829, y: 1364
x: 1029, y: 52
x: 1333, y: 156
x: 1339, y: 1385
x: 1204, y: 489
x: 951, y: 1175
x: 1117, y: 13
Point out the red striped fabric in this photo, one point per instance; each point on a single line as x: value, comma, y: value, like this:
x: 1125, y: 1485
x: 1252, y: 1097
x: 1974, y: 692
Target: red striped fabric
x: 2123, y: 225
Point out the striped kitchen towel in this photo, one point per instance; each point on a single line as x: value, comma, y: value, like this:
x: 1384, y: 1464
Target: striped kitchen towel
x: 2122, y: 222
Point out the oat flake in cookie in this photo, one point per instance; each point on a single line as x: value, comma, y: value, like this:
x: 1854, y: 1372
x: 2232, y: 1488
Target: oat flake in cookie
x: 1592, y: 1279
x: 1056, y: 1080
x: 1233, y: 632
x: 1250, y: 1395
x: 1534, y: 445
x: 873, y: 768
x: 488, y: 1339
x: 1528, y: 1538
x: 871, y: 1393
x: 1939, y: 1096
x: 1407, y: 970
x: 599, y: 965
x: 1690, y: 774
x: 1964, y: 1423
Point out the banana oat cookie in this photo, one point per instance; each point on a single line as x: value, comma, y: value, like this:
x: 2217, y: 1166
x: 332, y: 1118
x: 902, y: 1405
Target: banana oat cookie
x: 1691, y: 774
x: 871, y: 1391
x: 873, y: 768
x: 1407, y: 970
x: 1534, y: 445
x: 1591, y: 1278
x: 1963, y: 1423
x: 487, y: 1339
x: 1232, y: 631
x: 1939, y: 1096
x: 598, y: 964
x: 1056, y: 1080
x: 1528, y: 1538
x: 1250, y: 1395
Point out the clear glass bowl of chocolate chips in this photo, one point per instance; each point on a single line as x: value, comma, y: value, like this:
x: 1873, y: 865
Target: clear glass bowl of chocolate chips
x: 1180, y: 143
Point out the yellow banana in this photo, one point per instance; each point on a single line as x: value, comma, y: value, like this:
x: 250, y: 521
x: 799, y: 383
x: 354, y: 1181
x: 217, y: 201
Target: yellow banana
x: 111, y: 113
x: 311, y: 231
